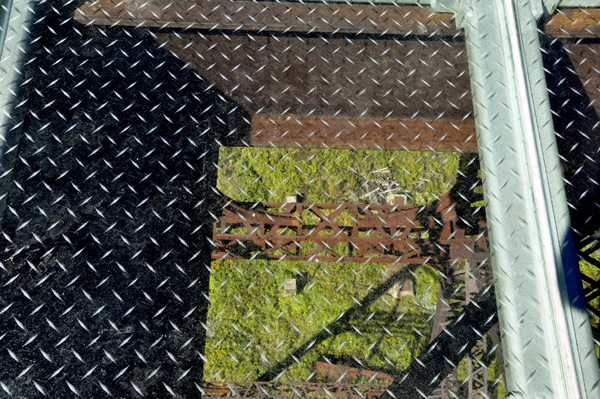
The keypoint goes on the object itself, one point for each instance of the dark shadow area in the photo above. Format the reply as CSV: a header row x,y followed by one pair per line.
x,y
440,356
572,85
467,192
577,124
387,319
104,251
341,325
110,201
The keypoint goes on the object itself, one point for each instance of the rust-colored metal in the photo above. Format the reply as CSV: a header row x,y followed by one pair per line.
x,y
306,17
375,95
364,78
575,23
322,93
336,93
585,60
254,389
300,131
337,372
345,233
270,16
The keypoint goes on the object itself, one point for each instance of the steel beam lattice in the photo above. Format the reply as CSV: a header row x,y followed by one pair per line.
x,y
370,233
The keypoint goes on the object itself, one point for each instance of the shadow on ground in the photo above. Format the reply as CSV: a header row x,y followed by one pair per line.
x,y
107,192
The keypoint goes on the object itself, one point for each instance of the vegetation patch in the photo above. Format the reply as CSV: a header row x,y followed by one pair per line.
x,y
254,323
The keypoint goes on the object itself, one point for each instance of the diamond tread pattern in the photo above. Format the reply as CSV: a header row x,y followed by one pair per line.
x,y
104,266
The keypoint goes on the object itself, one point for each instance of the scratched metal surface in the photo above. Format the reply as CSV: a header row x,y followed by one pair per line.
x,y
110,182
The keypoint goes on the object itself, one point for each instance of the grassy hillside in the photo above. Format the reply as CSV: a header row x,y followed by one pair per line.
x,y
252,325
271,174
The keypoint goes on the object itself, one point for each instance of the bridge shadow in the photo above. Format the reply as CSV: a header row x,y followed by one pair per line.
x,y
572,76
108,190
575,115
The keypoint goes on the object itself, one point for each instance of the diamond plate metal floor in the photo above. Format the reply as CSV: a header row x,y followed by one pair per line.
x,y
107,189
104,261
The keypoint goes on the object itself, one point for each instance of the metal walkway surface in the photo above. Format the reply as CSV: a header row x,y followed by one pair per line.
x,y
179,181
104,269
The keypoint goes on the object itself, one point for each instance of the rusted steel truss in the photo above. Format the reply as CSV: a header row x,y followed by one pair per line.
x,y
392,19
358,233
275,390
346,233
472,277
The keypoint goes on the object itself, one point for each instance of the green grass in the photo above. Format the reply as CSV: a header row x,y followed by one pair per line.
x,y
271,174
252,325
592,271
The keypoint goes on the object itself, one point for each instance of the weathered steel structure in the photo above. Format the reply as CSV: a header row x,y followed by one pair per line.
x,y
347,233
402,234
470,279
292,390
